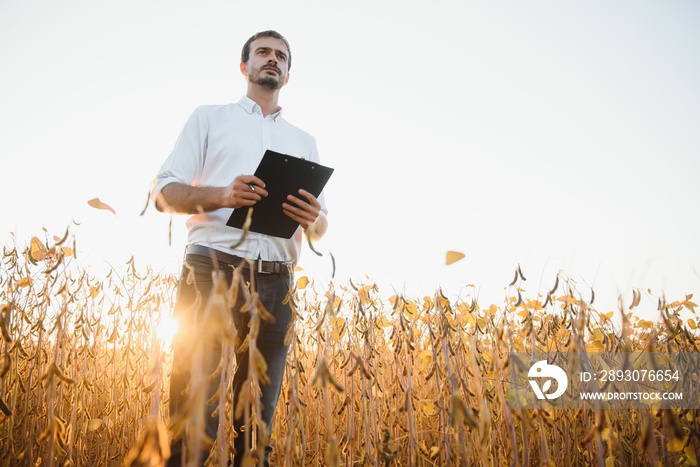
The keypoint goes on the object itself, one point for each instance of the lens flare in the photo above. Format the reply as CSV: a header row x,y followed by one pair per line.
x,y
166,330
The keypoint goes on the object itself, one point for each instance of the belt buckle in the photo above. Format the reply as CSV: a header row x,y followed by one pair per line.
x,y
260,269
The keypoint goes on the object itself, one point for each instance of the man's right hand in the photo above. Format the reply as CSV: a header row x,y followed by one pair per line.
x,y
245,190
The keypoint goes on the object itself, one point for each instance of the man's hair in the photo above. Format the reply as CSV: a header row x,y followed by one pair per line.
x,y
245,53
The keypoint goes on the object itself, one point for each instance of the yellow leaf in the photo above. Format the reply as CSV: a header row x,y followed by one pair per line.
x,y
465,317
567,299
410,309
383,322
434,451
338,328
676,444
425,358
97,204
37,249
24,282
610,461
598,334
453,257
302,282
692,324
430,409
363,293
689,452
94,424
492,310
94,291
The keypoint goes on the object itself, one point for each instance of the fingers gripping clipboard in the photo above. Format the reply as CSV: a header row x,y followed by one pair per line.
x,y
283,175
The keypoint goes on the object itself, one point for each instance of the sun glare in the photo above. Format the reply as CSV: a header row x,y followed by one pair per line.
x,y
166,329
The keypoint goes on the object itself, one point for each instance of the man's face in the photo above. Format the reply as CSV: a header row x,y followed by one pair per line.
x,y
268,65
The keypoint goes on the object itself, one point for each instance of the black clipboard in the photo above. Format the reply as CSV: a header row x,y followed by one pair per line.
x,y
283,175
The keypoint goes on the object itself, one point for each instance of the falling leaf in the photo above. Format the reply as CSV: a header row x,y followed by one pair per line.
x,y
302,282
37,249
97,204
453,257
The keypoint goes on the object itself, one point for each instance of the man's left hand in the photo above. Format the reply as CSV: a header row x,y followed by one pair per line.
x,y
304,211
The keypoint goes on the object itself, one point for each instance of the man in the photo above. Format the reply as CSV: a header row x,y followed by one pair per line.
x,y
207,174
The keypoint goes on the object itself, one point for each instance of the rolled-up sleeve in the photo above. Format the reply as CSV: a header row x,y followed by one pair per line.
x,y
184,165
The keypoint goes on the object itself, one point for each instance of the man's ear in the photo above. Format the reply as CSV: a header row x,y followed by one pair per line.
x,y
244,68
286,80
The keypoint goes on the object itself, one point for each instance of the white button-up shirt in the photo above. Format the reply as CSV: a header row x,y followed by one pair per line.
x,y
219,143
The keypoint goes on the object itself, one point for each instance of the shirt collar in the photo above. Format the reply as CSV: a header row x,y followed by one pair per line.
x,y
251,107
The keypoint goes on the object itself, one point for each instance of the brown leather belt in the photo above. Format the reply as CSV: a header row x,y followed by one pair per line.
x,y
258,265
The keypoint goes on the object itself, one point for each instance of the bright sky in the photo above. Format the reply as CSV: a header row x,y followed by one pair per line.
x,y
559,135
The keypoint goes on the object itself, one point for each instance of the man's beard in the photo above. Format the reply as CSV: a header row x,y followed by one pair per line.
x,y
266,81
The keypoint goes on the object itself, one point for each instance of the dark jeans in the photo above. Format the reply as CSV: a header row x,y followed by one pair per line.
x,y
272,289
